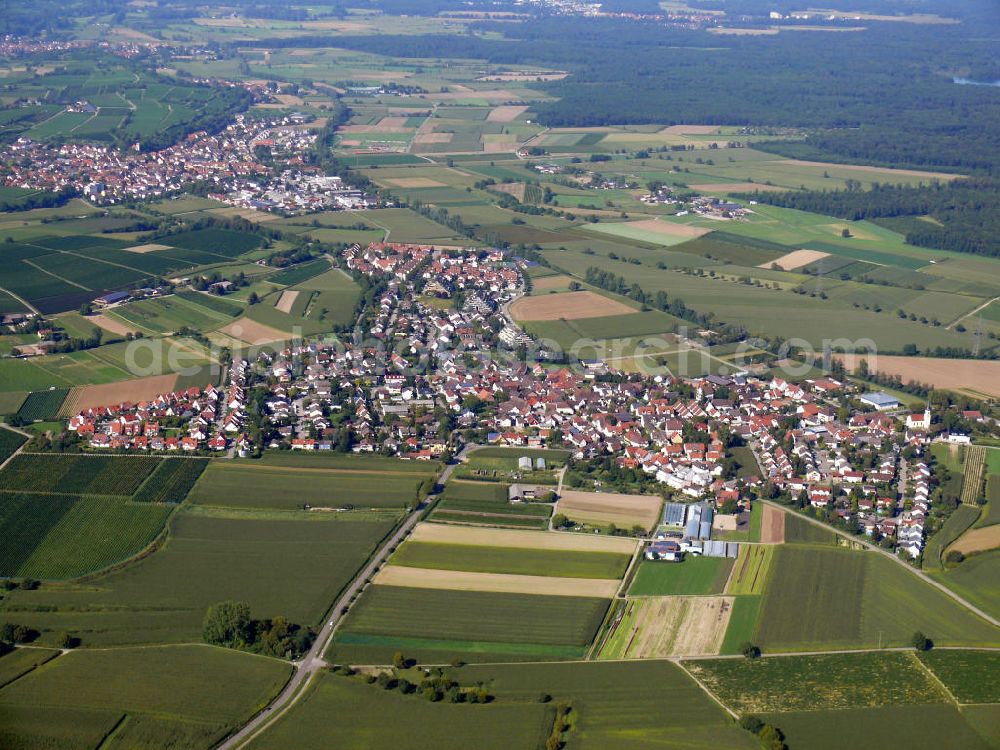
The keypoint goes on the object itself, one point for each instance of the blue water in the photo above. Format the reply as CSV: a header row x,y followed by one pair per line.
x,y
970,82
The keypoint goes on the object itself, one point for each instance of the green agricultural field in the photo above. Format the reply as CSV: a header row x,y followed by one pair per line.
x,y
977,579
825,598
799,530
171,481
185,696
620,705
63,536
361,462
887,726
10,401
750,574
960,521
10,441
511,560
168,314
833,681
438,625
970,676
251,485
20,661
207,559
742,624
42,405
223,242
67,474
696,575
346,713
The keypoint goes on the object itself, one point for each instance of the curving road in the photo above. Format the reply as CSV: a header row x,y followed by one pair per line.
x,y
313,661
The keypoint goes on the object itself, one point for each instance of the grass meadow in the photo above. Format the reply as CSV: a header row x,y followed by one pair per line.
x,y
511,560
696,575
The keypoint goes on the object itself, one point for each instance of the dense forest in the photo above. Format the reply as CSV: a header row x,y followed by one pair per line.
x,y
966,212
886,97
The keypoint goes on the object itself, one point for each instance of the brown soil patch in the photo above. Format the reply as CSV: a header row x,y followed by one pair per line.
x,y
253,332
112,324
679,626
512,188
568,306
249,214
286,300
458,580
111,394
978,375
795,259
550,282
607,507
978,540
874,170
559,540
499,147
737,187
670,229
772,528
415,182
148,248
433,138
507,113
467,93
691,129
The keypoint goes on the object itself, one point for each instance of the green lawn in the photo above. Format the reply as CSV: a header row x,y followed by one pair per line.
x,y
181,696
696,575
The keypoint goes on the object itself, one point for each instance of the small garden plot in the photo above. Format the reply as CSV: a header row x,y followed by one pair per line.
x,y
605,508
696,575
970,676
660,627
512,560
77,474
830,681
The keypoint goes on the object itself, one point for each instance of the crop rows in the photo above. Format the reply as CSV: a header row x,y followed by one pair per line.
x,y
42,405
975,461
25,520
171,481
77,474
10,441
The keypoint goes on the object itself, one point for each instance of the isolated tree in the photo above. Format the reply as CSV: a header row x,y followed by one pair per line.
x,y
228,624
749,650
920,641
398,661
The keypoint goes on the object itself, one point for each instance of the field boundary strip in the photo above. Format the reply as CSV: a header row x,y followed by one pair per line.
x,y
935,678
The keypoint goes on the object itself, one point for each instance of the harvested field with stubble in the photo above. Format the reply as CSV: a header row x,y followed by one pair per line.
x,y
795,259
110,324
286,300
150,247
460,580
772,528
658,627
977,540
506,113
253,332
558,281
737,187
669,229
602,508
982,376
567,306
415,182
111,394
435,532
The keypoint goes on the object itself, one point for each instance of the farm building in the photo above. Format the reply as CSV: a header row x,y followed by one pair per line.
x,y
517,493
667,551
673,514
880,401
111,298
698,521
